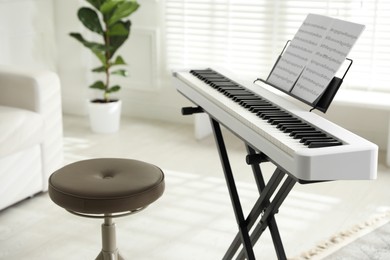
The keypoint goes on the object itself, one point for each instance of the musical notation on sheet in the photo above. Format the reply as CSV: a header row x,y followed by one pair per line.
x,y
314,56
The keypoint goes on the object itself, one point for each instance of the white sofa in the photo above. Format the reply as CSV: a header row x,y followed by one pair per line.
x,y
30,132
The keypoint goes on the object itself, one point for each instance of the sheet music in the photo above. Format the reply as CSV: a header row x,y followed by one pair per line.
x,y
296,56
314,56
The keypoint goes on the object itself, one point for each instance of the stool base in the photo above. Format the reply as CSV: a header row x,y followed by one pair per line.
x,y
109,256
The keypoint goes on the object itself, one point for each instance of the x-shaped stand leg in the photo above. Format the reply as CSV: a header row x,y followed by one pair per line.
x,y
263,210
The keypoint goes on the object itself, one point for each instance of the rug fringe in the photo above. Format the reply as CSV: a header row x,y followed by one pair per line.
x,y
344,237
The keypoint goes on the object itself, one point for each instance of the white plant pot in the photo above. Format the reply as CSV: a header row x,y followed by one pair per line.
x,y
105,117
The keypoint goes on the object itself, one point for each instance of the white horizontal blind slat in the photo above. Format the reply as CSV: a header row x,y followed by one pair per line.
x,y
247,35
215,33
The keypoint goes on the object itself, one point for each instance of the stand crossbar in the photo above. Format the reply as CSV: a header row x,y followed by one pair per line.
x,y
263,211
261,188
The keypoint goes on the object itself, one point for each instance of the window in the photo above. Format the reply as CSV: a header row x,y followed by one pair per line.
x,y
246,36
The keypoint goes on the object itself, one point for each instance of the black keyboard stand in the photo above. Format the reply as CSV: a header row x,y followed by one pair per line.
x,y
262,215
262,212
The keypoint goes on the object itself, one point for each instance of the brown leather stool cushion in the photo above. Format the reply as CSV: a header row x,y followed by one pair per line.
x,y
106,185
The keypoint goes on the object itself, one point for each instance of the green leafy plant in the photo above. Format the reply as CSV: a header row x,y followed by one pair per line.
x,y
107,19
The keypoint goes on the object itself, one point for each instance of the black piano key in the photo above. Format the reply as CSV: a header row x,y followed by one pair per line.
x,y
289,123
230,94
223,89
306,134
247,104
276,120
316,138
267,114
325,139
207,75
217,80
280,112
238,99
221,82
263,104
259,109
297,123
259,106
263,108
225,85
252,103
259,102
237,92
268,111
303,129
246,96
210,77
270,119
324,144
240,92
272,113
203,72
208,80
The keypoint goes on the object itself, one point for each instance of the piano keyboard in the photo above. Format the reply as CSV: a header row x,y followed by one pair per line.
x,y
282,120
302,143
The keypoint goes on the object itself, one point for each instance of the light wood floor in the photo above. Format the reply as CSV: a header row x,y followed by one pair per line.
x,y
193,219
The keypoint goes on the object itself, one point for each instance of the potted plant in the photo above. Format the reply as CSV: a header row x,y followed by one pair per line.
x,y
107,19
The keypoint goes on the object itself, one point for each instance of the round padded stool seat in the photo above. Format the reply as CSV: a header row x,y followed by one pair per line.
x,y
106,185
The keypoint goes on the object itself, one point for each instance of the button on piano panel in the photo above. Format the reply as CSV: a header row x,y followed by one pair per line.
x,y
283,121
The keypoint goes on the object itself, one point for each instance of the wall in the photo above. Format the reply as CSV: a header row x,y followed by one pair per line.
x,y
27,34
370,123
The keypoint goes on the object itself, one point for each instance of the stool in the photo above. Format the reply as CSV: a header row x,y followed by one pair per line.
x,y
106,188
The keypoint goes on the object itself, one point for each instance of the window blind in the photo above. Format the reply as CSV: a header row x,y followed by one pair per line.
x,y
246,36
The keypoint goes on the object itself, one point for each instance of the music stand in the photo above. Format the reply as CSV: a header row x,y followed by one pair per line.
x,y
323,102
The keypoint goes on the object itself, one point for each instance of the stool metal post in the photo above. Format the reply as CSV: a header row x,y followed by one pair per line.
x,y
109,247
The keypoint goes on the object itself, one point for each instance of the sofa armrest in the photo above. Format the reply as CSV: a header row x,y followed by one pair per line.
x,y
38,91
27,89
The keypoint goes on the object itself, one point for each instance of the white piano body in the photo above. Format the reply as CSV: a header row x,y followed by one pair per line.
x,y
356,159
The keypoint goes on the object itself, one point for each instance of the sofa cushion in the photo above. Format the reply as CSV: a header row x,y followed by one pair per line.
x,y
19,129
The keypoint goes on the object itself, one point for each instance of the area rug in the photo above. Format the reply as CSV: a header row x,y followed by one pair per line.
x,y
368,240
